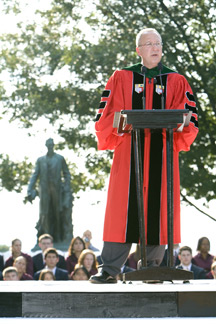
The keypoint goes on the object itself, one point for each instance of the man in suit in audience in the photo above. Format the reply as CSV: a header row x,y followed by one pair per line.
x,y
176,260
45,241
185,257
1,263
1,266
51,259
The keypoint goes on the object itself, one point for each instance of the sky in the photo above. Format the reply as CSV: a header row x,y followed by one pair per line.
x,y
19,220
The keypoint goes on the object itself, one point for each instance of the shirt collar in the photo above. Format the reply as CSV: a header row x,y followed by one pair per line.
x,y
187,267
53,270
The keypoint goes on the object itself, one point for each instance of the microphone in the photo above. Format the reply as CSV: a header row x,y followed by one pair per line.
x,y
160,66
143,71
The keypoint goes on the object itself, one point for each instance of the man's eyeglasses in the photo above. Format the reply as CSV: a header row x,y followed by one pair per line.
x,y
149,44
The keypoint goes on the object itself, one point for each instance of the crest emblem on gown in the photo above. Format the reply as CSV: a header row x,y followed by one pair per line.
x,y
139,88
159,89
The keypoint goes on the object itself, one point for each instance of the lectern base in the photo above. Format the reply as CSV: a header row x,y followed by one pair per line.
x,y
158,274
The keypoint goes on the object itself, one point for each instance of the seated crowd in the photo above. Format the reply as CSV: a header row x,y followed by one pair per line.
x,y
82,260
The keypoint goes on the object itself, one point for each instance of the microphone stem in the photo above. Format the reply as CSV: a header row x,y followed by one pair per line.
x,y
143,71
144,99
162,95
162,102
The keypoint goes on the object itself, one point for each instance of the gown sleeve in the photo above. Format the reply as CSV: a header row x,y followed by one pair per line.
x,y
112,101
184,99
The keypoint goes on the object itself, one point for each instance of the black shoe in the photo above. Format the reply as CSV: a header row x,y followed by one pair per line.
x,y
103,278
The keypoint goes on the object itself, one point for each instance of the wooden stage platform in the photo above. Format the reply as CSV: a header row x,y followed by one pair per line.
x,y
81,299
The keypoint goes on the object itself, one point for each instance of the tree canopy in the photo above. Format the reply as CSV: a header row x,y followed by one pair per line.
x,y
59,61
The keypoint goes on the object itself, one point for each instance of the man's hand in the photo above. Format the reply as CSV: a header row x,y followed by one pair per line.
x,y
31,196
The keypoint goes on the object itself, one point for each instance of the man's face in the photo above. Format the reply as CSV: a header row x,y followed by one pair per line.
x,y
148,50
88,235
185,257
51,260
45,244
50,146
11,276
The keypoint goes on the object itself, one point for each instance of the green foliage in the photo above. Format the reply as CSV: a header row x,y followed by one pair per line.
x,y
14,175
4,248
60,61
188,32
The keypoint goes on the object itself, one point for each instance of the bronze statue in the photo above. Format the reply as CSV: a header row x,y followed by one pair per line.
x,y
55,195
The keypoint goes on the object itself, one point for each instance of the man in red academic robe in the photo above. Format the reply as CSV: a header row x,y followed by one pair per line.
x,y
124,90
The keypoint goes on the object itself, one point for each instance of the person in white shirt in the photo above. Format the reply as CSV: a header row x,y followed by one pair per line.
x,y
176,260
185,257
87,237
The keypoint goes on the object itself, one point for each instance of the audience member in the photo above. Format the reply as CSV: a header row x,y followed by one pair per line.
x,y
87,236
80,273
51,259
126,269
16,251
46,274
176,260
203,259
185,257
154,259
88,259
77,245
1,266
45,241
82,261
212,273
20,265
1,263
133,258
10,273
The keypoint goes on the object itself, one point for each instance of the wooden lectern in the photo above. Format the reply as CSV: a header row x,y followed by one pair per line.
x,y
135,120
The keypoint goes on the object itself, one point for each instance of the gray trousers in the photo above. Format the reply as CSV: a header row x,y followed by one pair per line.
x,y
114,256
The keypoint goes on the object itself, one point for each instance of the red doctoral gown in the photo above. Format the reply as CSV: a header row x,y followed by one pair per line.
x,y
124,90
